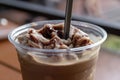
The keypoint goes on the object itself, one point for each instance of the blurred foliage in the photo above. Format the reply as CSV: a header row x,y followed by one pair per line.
x,y
112,43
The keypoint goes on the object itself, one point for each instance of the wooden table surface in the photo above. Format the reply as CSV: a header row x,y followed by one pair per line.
x,y
108,67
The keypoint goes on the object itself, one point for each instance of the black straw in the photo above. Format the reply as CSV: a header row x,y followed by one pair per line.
x,y
67,22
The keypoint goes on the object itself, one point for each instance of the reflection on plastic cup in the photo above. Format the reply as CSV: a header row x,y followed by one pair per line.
x,y
51,64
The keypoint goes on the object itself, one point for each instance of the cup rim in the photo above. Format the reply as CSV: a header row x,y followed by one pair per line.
x,y
58,50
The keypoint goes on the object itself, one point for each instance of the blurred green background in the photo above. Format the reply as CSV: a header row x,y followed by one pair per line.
x,y
112,43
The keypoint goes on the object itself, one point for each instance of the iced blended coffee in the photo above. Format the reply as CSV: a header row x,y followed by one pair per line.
x,y
44,54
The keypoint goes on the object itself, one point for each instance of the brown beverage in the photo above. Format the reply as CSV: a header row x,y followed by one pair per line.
x,y
56,61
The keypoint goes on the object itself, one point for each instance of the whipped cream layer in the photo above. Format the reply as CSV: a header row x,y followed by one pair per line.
x,y
51,36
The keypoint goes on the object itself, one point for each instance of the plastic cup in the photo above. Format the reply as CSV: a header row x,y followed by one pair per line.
x,y
59,64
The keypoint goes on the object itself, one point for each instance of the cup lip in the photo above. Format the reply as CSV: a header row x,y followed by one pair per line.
x,y
58,50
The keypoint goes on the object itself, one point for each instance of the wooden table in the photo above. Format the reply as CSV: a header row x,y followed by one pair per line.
x,y
108,67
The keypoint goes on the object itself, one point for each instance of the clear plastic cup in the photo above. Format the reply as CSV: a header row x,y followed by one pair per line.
x,y
59,64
